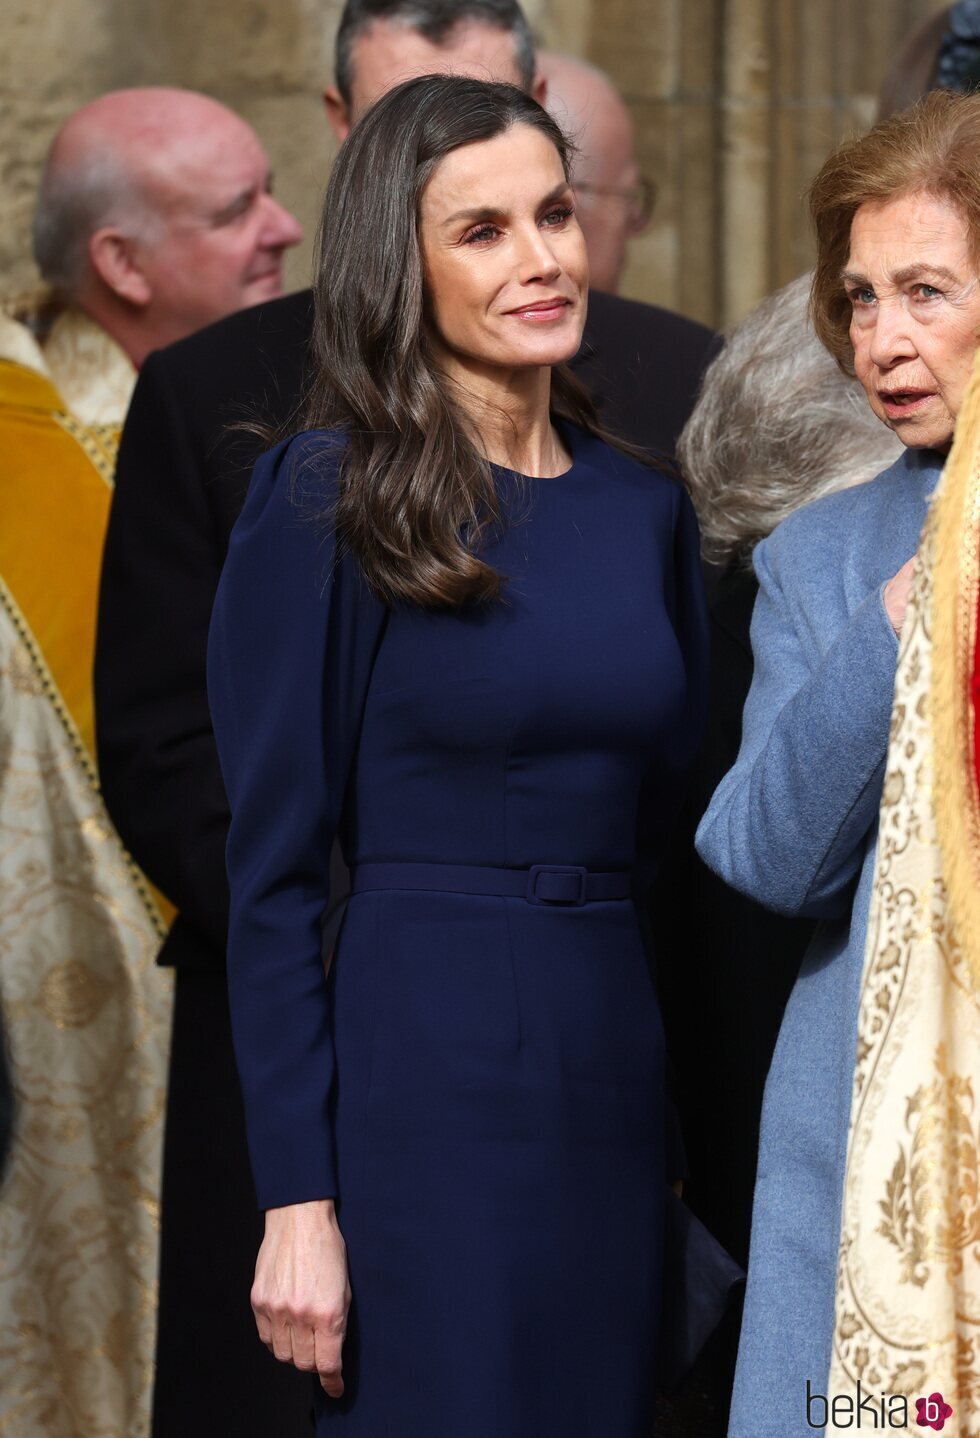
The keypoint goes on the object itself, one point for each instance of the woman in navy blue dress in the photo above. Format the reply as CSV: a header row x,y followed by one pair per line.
x,y
464,632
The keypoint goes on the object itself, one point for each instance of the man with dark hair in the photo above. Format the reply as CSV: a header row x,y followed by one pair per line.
x,y
365,25
181,480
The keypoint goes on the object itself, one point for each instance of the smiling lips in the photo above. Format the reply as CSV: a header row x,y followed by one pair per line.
x,y
542,309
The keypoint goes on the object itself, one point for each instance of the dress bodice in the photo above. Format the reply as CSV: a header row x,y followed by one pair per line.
x,y
523,731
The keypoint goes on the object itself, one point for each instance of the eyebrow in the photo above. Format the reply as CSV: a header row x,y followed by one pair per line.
x,y
261,186
488,212
903,276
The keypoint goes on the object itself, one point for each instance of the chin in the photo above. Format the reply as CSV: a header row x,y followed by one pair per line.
x,y
550,350
554,357
267,288
920,438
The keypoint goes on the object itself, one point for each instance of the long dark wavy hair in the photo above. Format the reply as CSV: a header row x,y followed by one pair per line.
x,y
415,494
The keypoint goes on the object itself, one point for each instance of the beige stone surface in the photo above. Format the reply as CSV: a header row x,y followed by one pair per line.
x,y
736,103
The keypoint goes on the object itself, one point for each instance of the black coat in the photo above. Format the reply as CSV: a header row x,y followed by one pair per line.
x,y
730,965
181,480
734,962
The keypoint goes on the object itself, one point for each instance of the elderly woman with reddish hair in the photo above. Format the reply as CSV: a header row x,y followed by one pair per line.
x,y
896,300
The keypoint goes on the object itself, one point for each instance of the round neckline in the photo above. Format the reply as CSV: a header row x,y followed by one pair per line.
x,y
568,435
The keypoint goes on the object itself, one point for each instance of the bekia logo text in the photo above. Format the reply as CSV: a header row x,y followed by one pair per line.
x,y
868,1410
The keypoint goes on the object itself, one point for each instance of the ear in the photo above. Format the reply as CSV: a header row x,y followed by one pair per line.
x,y
539,88
114,257
338,115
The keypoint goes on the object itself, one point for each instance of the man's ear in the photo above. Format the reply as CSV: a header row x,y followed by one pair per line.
x,y
539,88
338,115
115,259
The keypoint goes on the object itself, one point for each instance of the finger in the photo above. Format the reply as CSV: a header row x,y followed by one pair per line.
x,y
327,1347
282,1340
264,1325
304,1354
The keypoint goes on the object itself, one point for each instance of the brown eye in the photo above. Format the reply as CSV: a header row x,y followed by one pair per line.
x,y
480,235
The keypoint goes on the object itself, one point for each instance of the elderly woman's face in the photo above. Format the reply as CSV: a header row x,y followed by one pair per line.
x,y
915,314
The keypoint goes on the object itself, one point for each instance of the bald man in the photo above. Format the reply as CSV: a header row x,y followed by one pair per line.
x,y
612,198
155,217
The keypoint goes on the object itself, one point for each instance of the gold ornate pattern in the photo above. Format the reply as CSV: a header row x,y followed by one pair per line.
x,y
86,1007
88,1013
943,1143
957,582
99,441
28,667
94,377
908,1289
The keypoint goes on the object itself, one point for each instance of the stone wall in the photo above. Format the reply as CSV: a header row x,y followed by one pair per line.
x,y
736,103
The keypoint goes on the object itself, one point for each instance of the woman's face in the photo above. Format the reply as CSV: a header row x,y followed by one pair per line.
x,y
506,273
915,314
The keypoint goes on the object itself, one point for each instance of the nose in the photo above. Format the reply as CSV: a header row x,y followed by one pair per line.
x,y
281,230
891,340
537,259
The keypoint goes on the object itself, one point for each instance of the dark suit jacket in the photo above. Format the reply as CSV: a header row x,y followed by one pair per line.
x,y
733,962
181,480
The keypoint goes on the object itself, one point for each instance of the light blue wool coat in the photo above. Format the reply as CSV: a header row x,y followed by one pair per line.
x,y
794,825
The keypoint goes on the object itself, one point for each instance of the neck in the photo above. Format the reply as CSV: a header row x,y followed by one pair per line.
x,y
509,411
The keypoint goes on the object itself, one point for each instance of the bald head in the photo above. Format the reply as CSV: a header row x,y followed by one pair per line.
x,y
155,202
591,111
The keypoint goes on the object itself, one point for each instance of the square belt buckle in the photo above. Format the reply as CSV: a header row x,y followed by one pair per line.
x,y
550,884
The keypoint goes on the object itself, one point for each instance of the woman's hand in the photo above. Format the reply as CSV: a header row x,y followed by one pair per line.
x,y
300,1295
896,594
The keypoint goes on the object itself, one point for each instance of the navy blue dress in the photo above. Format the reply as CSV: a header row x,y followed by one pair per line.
x,y
479,1081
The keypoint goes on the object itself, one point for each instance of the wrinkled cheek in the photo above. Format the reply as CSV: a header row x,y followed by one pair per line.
x,y
951,393
865,374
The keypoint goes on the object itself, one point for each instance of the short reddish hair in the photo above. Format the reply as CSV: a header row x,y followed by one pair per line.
x,y
933,148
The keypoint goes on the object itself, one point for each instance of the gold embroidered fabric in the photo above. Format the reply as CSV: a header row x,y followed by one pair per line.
x,y
19,345
86,1008
87,1012
908,1293
91,373
93,376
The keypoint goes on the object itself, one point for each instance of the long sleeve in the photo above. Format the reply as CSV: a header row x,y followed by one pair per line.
x,y
685,601
157,760
686,606
690,616
787,824
293,638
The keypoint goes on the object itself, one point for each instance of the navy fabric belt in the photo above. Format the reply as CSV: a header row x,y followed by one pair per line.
x,y
563,884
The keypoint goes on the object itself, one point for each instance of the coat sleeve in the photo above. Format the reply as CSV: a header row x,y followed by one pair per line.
x,y
157,760
292,642
788,823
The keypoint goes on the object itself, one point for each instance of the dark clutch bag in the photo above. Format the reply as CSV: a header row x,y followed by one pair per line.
x,y
700,1281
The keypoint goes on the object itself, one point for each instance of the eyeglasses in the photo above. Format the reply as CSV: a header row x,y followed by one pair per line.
x,y
640,198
